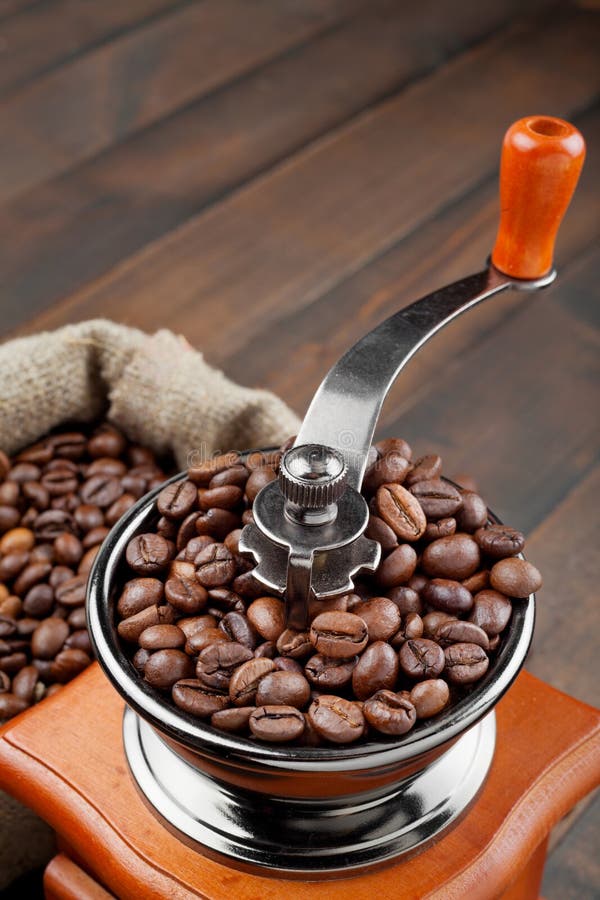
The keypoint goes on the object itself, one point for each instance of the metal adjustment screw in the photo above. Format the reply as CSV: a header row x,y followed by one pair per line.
x,y
312,479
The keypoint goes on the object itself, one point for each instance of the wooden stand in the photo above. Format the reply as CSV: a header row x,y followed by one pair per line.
x,y
65,759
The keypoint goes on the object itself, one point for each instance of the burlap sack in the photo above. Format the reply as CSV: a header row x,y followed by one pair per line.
x,y
162,394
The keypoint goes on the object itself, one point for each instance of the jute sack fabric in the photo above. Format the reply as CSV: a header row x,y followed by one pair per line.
x,y
162,394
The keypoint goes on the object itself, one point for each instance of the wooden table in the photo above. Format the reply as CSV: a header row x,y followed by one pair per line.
x,y
273,177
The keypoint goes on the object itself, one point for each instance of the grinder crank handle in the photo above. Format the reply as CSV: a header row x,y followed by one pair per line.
x,y
541,161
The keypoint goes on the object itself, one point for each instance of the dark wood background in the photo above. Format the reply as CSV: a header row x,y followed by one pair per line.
x,y
271,178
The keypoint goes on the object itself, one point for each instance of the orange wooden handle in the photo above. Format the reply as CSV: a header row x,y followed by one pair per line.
x,y
541,161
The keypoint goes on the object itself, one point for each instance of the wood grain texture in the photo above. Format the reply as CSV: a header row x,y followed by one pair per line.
x,y
68,231
351,196
91,801
83,107
50,33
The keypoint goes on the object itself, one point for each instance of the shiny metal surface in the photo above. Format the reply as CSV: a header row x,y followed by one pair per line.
x,y
308,838
342,417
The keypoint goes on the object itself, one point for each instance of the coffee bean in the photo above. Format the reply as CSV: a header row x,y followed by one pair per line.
x,y
276,724
411,628
22,472
465,663
139,594
12,564
421,658
165,667
17,540
401,511
119,508
203,473
389,713
59,481
245,680
80,640
433,620
294,644
185,593
38,600
31,575
393,445
380,531
215,566
24,683
148,553
398,567
439,529
5,682
106,441
429,697
377,669
10,706
177,500
52,523
101,490
259,478
425,469
68,664
227,496
338,634
204,637
389,468
217,663
48,638
454,557
68,549
267,614
459,632
12,662
500,541
7,627
515,578
448,596
328,673
382,618
285,663
237,475
131,628
406,599
162,637
491,612
473,513
283,689
477,582
438,499
239,628
234,720
71,593
216,522
336,719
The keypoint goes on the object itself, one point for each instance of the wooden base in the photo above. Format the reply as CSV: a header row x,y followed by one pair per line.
x,y
65,759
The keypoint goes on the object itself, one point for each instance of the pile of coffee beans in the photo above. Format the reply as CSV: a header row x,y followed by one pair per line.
x,y
413,638
58,500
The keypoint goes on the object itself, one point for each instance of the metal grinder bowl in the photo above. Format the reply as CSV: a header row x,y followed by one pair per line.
x,y
304,812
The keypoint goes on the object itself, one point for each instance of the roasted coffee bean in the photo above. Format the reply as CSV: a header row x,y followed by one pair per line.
x,y
390,713
71,593
119,508
216,522
429,697
421,658
68,549
80,640
106,441
438,499
433,620
226,600
331,604
162,637
389,468
473,513
500,541
38,600
286,663
329,674
68,445
477,582
401,511
237,475
148,553
515,578
336,719
202,473
245,680
441,528
36,494
380,531
10,706
59,481
393,445
12,564
465,663
377,669
185,593
217,663
49,637
382,618
276,724
131,628
459,632
227,496
491,612
9,493
234,720
187,530
448,596
196,698
140,658
52,523
247,585
101,490
177,500
215,566
68,664
425,469
106,465
411,628
43,553
5,682
195,545
283,689
17,540
9,517
24,471
454,557
238,627
259,478
30,575
88,516
77,618
398,567
204,637
12,662
338,634
138,594
406,599
267,615
294,644
7,627
11,606
165,667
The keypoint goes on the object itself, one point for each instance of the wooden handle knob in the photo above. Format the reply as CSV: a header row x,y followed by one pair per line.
x,y
541,161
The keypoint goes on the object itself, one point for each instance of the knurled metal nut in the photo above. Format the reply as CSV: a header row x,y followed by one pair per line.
x,y
313,495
